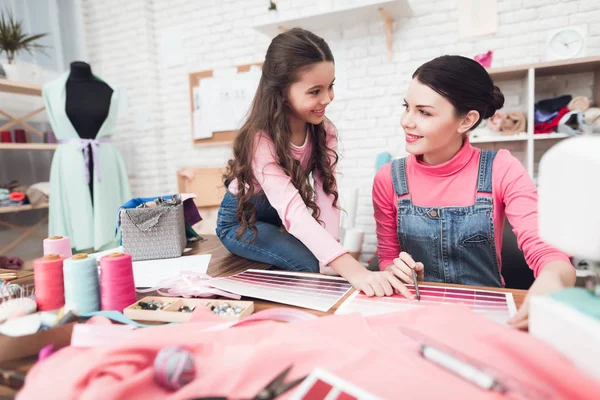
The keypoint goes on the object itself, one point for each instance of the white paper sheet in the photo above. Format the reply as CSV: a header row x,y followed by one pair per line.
x,y
149,273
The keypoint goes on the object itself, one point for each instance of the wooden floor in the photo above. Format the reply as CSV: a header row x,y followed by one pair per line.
x,y
222,263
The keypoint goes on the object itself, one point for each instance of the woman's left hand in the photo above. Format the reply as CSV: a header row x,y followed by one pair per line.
x,y
545,283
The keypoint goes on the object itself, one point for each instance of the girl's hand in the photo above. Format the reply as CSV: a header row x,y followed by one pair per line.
x,y
403,266
381,283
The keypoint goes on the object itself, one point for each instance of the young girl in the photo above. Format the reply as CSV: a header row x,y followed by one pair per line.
x,y
444,205
270,212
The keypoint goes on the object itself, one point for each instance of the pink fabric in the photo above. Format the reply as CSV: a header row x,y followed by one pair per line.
x,y
454,183
322,241
374,353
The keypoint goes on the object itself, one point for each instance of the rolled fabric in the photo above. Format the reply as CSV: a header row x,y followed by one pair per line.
x,y
495,122
514,122
580,103
592,116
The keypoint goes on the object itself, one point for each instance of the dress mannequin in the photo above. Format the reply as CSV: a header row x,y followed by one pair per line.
x,y
87,106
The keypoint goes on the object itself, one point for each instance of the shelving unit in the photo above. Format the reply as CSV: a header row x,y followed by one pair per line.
x,y
528,73
30,89
388,11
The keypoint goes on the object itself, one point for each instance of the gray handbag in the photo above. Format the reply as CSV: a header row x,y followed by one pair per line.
x,y
154,233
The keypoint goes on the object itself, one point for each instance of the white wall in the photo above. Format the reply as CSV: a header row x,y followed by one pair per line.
x,y
123,46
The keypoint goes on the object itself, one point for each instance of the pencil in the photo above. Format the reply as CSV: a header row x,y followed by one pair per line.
x,y
414,276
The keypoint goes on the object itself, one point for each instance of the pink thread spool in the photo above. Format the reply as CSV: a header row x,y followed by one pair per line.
x,y
60,245
49,282
117,288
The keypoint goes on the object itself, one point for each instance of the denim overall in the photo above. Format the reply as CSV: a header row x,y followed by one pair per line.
x,y
456,244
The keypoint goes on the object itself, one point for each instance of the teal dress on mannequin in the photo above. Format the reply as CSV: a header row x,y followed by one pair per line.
x,y
71,211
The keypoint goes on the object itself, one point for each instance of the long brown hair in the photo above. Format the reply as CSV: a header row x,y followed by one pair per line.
x,y
288,54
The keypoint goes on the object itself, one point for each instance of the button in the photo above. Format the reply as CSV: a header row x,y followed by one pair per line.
x,y
433,213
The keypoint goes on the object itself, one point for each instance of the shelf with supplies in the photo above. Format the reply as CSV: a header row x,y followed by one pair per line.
x,y
26,207
523,78
517,137
28,146
549,68
328,16
19,89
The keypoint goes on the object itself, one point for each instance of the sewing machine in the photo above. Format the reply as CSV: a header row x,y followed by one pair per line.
x,y
569,219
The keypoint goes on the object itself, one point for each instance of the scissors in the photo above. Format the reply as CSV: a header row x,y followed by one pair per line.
x,y
274,389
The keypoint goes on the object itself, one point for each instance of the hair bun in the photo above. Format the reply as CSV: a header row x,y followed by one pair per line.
x,y
497,98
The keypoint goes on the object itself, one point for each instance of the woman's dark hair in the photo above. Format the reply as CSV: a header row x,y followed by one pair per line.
x,y
288,54
464,83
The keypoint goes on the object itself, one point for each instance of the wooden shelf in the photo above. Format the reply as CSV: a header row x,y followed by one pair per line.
x,y
518,137
28,207
499,138
546,136
387,10
33,89
28,146
573,66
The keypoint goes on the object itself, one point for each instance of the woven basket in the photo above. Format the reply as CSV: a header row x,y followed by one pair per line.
x,y
166,239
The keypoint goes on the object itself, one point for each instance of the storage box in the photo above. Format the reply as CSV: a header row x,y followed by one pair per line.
x,y
169,311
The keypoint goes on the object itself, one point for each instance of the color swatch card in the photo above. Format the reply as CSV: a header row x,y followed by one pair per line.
x,y
317,292
323,385
498,306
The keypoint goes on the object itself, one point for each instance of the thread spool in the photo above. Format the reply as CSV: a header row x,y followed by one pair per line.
x,y
20,136
174,367
117,288
82,287
60,245
50,137
49,283
6,137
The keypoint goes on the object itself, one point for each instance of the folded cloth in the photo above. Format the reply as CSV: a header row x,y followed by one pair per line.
x,y
36,197
592,116
550,126
572,123
514,122
10,185
43,187
549,106
541,116
495,122
580,103
240,361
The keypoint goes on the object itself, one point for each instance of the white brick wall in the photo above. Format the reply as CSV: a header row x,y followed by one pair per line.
x,y
123,42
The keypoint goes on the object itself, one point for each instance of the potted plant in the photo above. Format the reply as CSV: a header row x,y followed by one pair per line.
x,y
12,41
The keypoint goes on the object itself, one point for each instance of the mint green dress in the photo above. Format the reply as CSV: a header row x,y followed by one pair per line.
x,y
71,212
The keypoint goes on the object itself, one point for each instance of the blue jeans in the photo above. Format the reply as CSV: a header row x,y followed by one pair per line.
x,y
272,245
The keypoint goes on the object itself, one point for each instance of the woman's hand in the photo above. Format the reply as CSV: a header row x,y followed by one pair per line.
x,y
403,266
554,276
